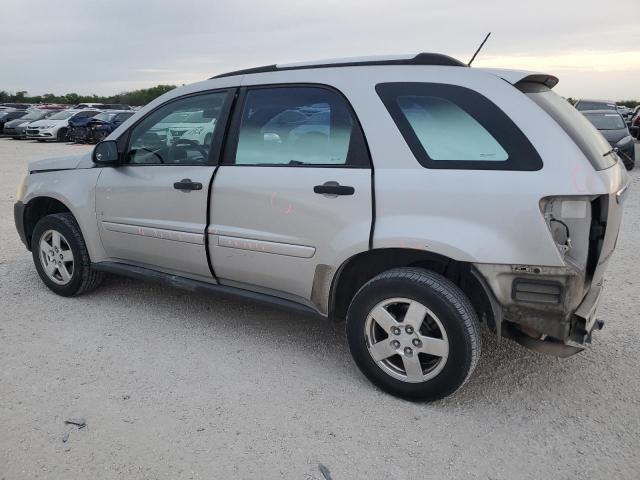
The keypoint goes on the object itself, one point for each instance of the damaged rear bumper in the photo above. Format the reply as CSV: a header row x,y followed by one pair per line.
x,y
548,309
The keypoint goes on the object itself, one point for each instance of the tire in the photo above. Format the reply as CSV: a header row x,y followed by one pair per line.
x,y
61,135
447,324
75,276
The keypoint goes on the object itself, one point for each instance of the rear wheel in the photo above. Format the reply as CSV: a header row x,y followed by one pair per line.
x,y
414,334
61,257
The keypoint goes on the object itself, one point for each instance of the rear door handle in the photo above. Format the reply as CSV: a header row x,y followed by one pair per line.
x,y
186,185
334,188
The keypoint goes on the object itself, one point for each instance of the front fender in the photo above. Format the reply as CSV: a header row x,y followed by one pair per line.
x,y
76,190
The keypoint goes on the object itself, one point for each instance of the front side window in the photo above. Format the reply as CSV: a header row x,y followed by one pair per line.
x,y
448,126
298,126
180,132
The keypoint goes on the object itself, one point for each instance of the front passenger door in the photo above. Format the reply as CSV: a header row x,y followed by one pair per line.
x,y
152,211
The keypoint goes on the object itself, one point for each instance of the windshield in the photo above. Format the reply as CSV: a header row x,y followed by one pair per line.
x,y
606,121
582,132
34,115
104,117
589,105
61,115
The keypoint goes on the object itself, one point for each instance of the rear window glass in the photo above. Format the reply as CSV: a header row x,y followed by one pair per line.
x,y
589,105
582,132
606,121
448,126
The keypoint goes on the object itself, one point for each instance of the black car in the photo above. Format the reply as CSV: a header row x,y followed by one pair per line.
x,y
8,116
612,126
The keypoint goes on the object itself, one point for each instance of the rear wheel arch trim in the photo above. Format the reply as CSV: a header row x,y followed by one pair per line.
x,y
420,256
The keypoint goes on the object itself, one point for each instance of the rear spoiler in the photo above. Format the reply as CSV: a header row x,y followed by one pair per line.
x,y
544,79
514,77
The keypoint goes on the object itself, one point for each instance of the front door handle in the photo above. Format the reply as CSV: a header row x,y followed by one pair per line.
x,y
334,188
186,185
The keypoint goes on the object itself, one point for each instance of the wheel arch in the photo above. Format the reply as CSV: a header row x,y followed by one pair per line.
x,y
37,208
362,267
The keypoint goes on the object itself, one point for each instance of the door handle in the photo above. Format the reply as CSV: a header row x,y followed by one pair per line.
x,y
186,185
334,188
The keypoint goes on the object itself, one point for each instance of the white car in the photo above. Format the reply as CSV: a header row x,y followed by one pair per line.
x,y
56,127
414,197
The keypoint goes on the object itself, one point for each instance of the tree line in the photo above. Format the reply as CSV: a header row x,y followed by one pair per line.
x,y
135,97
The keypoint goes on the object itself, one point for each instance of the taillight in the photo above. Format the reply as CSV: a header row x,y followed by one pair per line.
x,y
569,221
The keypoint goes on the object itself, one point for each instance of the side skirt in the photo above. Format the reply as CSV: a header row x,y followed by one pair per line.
x,y
196,286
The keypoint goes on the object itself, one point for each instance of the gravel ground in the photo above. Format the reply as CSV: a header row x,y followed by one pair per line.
x,y
174,385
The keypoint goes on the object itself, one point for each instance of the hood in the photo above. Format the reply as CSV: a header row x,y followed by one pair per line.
x,y
70,162
614,136
16,122
39,123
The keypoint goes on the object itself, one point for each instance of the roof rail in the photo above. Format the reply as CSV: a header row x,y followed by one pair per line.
x,y
419,59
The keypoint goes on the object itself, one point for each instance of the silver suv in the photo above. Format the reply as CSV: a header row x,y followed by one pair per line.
x,y
413,196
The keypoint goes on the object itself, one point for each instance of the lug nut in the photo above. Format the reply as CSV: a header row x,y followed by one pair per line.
x,y
60,256
395,344
395,330
416,342
408,351
409,329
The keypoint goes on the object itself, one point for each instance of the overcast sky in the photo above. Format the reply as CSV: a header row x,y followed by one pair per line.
x,y
107,46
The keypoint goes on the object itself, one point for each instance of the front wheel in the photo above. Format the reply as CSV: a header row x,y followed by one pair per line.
x,y
61,257
414,334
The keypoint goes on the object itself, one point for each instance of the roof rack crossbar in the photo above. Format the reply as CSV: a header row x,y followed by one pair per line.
x,y
420,59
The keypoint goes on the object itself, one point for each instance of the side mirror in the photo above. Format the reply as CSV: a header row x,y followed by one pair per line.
x,y
635,131
106,153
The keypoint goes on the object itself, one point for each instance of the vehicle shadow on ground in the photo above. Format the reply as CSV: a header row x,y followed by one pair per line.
x,y
505,368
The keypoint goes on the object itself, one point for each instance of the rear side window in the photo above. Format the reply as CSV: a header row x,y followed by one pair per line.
x,y
298,126
448,126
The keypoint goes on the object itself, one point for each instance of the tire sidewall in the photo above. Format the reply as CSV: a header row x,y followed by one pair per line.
x,y
459,360
50,222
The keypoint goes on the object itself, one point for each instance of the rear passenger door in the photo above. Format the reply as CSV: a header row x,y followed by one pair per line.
x,y
292,198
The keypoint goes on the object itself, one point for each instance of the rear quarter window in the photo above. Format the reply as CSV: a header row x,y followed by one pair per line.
x,y
453,127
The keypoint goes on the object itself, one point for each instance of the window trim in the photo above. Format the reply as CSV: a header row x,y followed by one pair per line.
x,y
215,153
231,144
522,155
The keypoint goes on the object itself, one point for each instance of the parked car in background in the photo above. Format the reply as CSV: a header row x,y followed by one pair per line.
x,y
635,119
55,127
413,261
584,104
100,126
18,106
17,129
77,128
612,126
103,106
10,115
623,110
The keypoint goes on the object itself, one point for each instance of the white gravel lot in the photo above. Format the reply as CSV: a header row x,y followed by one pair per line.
x,y
174,385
